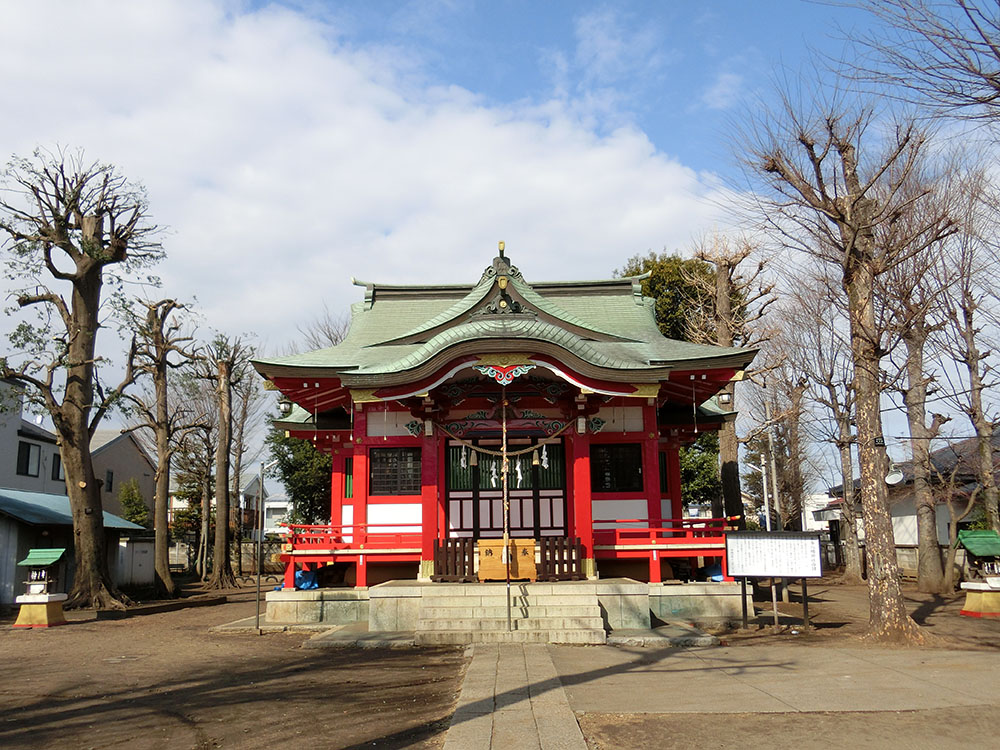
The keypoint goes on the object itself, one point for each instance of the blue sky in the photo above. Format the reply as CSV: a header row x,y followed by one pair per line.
x,y
289,147
673,70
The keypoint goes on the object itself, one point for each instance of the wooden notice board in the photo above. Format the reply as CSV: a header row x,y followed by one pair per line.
x,y
492,566
764,554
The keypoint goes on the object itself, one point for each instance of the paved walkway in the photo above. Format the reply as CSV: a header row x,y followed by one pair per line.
x,y
512,698
525,696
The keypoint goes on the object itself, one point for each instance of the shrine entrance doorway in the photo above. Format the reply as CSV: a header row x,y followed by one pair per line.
x,y
475,490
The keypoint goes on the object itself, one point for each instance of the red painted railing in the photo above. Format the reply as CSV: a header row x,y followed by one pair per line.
x,y
350,536
676,531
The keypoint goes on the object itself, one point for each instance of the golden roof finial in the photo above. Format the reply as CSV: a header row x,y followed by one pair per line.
x,y
501,246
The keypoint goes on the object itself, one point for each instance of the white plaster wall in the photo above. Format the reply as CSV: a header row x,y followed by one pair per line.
x,y
621,418
609,510
346,519
388,423
407,514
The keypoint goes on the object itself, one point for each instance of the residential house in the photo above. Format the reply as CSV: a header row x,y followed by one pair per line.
x,y
30,458
951,465
37,519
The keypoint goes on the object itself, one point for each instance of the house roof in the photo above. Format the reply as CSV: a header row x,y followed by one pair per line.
x,y
43,509
29,429
103,440
605,324
960,454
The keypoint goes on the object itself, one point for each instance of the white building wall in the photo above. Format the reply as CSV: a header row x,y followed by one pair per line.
x,y
408,515
610,510
10,581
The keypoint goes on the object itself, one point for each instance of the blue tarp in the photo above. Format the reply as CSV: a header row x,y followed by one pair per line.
x,y
306,579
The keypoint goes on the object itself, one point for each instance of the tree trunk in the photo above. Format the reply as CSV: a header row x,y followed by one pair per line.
x,y
848,513
729,469
796,487
222,569
729,448
165,585
983,426
92,584
161,541
239,447
206,519
930,575
888,619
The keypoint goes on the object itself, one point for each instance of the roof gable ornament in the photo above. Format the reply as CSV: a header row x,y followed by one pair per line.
x,y
503,273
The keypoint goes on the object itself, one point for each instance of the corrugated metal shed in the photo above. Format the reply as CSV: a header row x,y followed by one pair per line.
x,y
40,509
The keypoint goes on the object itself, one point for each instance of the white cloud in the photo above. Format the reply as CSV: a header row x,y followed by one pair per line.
x,y
285,160
724,91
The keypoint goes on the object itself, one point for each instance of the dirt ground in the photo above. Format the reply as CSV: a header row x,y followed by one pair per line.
x,y
839,615
164,681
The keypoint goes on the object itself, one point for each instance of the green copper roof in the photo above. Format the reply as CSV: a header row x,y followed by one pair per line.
x,y
980,542
605,324
42,557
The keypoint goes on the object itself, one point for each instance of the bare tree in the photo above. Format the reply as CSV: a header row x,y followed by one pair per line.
x,y
741,295
196,456
911,295
84,225
970,270
228,362
815,325
828,191
160,339
325,330
249,405
946,53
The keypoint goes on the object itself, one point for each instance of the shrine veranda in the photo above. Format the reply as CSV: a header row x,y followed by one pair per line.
x,y
434,387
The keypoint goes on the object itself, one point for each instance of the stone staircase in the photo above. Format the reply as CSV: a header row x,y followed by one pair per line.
x,y
540,613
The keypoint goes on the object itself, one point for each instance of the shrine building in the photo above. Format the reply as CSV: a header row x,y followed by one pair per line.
x,y
571,383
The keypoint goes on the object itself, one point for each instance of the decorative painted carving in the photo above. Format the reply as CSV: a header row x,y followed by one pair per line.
x,y
503,375
415,427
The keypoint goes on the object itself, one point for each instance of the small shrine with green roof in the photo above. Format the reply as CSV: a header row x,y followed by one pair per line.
x,y
533,423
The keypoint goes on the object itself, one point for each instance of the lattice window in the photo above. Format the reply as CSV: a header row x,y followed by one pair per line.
x,y
616,467
394,471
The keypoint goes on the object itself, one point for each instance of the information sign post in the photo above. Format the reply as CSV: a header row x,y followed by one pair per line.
x,y
770,554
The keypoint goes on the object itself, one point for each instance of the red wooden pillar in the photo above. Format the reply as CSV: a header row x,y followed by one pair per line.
x,y
360,485
337,488
428,502
289,574
674,478
651,466
583,521
442,499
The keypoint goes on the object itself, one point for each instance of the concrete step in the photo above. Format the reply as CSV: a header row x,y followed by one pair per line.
x,y
465,637
528,623
535,610
500,600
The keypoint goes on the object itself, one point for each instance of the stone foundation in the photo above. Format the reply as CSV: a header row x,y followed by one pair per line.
x,y
700,603
625,604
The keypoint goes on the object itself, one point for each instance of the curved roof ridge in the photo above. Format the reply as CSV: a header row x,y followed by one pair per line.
x,y
465,304
518,328
530,295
